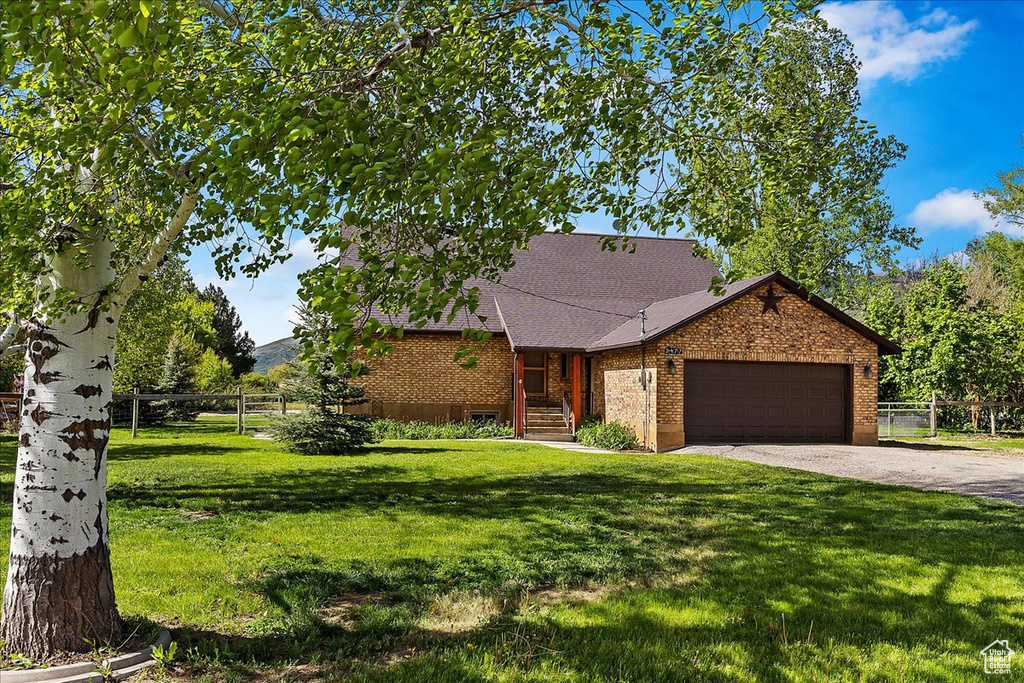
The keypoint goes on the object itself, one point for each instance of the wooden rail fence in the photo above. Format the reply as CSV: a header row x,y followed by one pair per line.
x,y
251,408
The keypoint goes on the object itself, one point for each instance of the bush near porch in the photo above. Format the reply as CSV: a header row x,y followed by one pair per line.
x,y
501,561
594,432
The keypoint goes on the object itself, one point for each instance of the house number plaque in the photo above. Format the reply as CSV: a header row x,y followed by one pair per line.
x,y
673,351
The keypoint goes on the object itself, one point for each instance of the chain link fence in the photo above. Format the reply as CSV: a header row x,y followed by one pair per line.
x,y
904,419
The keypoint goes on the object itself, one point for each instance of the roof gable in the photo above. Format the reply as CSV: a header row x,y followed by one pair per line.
x,y
669,315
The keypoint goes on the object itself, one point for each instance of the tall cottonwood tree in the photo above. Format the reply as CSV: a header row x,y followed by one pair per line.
x,y
830,225
429,138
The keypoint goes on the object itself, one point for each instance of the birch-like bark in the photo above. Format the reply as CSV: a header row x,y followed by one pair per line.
x,y
8,335
60,588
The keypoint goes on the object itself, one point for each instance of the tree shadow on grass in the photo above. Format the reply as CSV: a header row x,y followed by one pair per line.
x,y
148,450
798,576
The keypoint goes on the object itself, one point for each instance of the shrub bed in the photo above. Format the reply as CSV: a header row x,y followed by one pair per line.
x,y
609,435
383,429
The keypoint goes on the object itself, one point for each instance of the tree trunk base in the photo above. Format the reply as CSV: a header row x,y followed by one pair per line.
x,y
54,604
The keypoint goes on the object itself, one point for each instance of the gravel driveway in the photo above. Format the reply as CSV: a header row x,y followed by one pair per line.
x,y
972,472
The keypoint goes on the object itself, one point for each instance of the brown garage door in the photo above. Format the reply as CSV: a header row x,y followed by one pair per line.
x,y
765,402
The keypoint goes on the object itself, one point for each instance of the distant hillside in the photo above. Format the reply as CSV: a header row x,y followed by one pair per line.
x,y
273,354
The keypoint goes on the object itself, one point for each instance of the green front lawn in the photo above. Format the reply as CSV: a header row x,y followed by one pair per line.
x,y
497,561
984,444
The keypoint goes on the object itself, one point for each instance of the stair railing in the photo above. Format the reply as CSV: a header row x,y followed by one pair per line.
x,y
570,420
522,410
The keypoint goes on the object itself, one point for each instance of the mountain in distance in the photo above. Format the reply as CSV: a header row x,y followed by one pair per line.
x,y
275,353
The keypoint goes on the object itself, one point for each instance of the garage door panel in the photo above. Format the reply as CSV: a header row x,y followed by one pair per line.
x,y
773,402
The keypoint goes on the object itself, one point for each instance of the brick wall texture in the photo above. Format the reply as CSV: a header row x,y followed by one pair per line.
x,y
421,379
800,334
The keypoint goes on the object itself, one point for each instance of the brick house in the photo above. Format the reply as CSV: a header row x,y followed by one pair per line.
x,y
765,361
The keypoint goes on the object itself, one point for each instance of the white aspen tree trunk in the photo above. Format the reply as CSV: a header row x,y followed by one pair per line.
x,y
60,588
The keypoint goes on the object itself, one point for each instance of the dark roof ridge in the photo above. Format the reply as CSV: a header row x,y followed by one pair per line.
x,y
665,238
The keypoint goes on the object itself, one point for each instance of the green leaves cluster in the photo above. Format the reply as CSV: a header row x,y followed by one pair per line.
x,y
827,223
424,147
961,327
166,306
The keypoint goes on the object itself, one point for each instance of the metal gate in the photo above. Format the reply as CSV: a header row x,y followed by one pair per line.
x,y
904,419
259,411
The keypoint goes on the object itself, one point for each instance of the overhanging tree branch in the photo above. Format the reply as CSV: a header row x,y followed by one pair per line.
x,y
9,334
160,246
13,350
222,13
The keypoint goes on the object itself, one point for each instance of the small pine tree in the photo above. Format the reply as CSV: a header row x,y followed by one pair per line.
x,y
177,377
322,384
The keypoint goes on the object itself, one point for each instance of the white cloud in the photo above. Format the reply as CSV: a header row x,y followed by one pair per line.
x,y
890,45
203,279
954,209
304,251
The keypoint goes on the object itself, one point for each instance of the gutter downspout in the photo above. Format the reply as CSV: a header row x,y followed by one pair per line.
x,y
646,384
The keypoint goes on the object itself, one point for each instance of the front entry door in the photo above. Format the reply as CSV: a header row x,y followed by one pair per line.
x,y
535,373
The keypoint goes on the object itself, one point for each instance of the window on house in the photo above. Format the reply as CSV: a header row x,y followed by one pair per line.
x,y
535,373
565,366
483,416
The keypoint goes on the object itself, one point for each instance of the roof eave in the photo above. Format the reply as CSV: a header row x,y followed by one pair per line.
x,y
885,346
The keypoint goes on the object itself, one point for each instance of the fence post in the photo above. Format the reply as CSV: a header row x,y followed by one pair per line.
x,y
932,422
241,411
888,421
135,412
992,418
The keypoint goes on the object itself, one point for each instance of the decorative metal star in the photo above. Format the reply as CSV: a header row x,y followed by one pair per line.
x,y
771,300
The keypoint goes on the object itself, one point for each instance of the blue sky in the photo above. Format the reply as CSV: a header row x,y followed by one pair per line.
x,y
946,78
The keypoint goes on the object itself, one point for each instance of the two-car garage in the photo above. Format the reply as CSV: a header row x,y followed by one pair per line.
x,y
746,402
763,361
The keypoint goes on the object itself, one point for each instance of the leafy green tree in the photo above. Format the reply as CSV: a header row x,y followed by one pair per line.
x,y
213,373
10,367
430,139
1006,201
231,342
256,383
838,228
998,261
953,345
151,316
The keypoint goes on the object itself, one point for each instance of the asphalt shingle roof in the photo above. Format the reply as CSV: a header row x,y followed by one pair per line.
x,y
564,291
663,316
671,314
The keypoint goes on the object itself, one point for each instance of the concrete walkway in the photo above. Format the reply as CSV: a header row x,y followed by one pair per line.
x,y
932,467
570,446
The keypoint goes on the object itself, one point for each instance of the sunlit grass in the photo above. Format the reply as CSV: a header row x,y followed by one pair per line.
x,y
499,561
983,444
